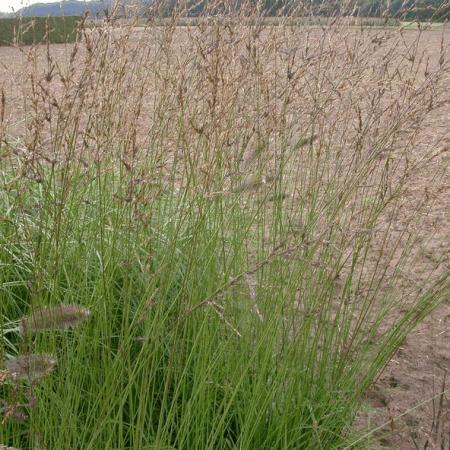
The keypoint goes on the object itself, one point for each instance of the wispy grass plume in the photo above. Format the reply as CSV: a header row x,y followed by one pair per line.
x,y
53,318
30,367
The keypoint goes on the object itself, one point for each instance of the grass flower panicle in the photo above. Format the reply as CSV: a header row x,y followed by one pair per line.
x,y
53,318
31,367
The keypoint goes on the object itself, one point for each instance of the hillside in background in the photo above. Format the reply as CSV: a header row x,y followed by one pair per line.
x,y
402,9
66,8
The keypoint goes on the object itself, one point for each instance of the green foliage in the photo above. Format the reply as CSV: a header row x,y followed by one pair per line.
x,y
35,30
185,379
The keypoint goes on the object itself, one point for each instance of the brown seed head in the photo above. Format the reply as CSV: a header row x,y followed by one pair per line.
x,y
30,367
53,318
4,376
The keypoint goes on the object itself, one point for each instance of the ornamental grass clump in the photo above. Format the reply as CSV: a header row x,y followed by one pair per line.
x,y
235,197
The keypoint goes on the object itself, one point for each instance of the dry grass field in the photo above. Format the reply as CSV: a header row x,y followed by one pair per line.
x,y
341,89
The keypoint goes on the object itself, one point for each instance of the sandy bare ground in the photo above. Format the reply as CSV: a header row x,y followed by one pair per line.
x,y
417,372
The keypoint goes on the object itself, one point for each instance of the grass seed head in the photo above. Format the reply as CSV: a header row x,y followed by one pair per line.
x,y
53,318
31,367
4,376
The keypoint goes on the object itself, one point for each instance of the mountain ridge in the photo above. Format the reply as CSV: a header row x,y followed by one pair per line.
x,y
65,8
